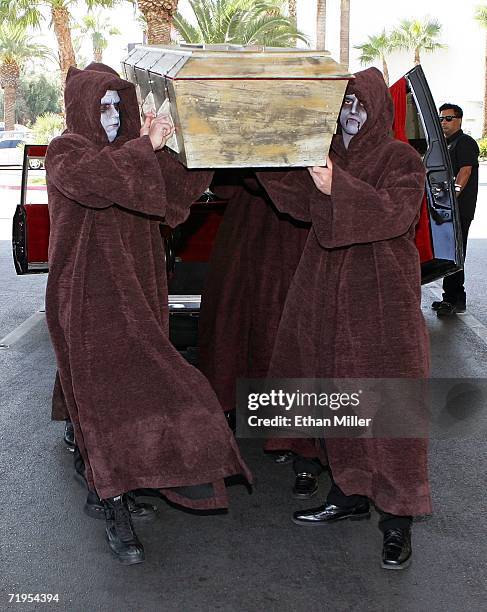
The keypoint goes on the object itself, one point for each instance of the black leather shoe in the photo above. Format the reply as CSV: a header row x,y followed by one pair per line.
x,y
446,309
329,513
397,551
69,435
436,304
305,486
121,537
139,511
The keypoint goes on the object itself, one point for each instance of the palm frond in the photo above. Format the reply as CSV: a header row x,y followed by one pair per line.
x,y
239,22
23,12
188,31
481,15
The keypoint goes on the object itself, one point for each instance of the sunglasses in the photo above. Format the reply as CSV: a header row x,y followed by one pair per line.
x,y
448,118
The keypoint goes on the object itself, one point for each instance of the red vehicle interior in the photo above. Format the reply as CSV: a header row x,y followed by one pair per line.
x,y
423,234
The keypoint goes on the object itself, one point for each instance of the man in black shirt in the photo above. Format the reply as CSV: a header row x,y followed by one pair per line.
x,y
464,155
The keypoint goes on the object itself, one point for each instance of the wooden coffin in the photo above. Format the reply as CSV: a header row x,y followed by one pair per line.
x,y
247,107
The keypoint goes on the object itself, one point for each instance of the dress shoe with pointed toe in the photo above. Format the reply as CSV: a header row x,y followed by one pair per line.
x,y
139,511
397,550
305,485
329,513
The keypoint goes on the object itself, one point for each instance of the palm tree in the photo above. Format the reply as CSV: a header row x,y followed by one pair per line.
x,y
377,48
243,22
159,15
16,47
97,26
481,16
321,24
292,10
415,35
28,12
345,32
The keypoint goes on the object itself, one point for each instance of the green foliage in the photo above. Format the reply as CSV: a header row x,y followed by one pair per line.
x,y
36,96
239,22
417,35
29,12
376,48
46,127
97,27
17,45
481,15
483,148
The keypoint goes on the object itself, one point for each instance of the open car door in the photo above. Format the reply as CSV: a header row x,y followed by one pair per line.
x,y
30,231
438,235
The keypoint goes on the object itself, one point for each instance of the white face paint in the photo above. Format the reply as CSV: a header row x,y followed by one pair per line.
x,y
109,114
352,117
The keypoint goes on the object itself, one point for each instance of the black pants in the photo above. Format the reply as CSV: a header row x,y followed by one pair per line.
x,y
386,521
453,285
307,465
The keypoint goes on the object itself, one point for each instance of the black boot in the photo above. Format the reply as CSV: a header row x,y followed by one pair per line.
x,y
69,435
79,467
120,533
139,511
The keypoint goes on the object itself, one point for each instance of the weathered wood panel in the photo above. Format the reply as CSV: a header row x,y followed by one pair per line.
x,y
257,123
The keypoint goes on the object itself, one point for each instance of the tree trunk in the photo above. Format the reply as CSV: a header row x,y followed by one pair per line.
x,y
293,16
158,15
158,32
62,30
385,71
484,127
321,24
98,55
417,59
9,97
345,33
292,10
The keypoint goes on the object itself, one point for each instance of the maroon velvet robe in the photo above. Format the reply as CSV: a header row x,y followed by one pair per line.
x,y
143,417
252,263
353,307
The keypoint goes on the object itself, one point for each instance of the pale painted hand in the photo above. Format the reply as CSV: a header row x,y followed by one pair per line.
x,y
144,130
160,130
323,176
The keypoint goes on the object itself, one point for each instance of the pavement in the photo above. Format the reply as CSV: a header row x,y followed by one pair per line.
x,y
253,557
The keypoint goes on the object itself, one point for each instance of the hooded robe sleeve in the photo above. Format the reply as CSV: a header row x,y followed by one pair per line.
x,y
290,191
358,212
131,176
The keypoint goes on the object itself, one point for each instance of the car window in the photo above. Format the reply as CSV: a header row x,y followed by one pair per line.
x,y
9,144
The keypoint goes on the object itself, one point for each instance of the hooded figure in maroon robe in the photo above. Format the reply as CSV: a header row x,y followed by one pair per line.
x,y
353,307
143,417
252,263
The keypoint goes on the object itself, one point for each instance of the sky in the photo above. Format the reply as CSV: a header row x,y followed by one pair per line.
x,y
455,74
